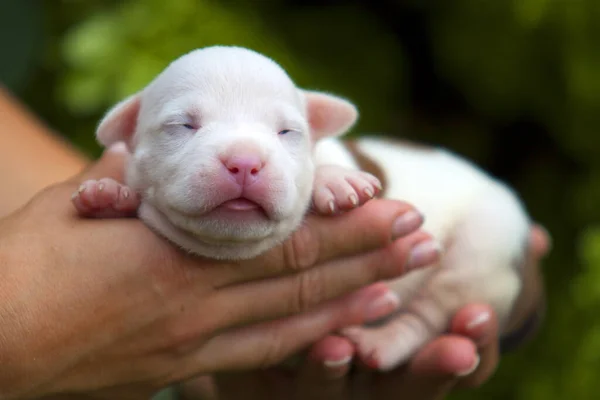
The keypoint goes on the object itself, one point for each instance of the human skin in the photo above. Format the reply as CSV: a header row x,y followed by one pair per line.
x,y
42,159
109,308
31,156
444,365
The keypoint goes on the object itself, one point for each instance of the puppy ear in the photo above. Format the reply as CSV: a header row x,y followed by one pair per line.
x,y
328,115
119,123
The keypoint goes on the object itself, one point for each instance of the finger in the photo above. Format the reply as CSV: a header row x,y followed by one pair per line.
x,y
478,322
453,358
446,357
269,343
321,239
293,294
540,242
431,373
331,358
324,373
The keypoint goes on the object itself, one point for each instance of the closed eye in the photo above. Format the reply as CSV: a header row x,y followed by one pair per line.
x,y
283,132
189,126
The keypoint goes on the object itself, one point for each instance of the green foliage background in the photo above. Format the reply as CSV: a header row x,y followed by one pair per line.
x,y
512,84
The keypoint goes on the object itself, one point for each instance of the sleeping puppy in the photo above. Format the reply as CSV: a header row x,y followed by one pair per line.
x,y
228,155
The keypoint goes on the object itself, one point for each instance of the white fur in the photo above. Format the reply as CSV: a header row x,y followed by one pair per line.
x,y
479,220
238,101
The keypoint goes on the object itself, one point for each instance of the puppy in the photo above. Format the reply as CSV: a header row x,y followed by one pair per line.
x,y
228,155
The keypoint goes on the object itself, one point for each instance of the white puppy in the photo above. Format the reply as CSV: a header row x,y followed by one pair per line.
x,y
227,154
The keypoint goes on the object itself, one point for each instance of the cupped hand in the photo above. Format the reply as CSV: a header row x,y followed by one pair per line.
x,y
108,309
465,357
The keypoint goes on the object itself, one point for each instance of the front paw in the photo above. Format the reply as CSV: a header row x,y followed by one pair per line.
x,y
105,198
341,189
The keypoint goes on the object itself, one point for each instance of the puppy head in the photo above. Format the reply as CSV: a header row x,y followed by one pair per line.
x,y
221,145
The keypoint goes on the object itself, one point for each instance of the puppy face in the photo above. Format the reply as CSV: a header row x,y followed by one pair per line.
x,y
221,147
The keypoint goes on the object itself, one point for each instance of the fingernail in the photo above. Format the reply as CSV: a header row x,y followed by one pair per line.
x,y
81,188
423,254
478,320
470,370
382,306
369,192
337,363
406,223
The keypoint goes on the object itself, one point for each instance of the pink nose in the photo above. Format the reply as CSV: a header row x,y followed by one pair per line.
x,y
244,168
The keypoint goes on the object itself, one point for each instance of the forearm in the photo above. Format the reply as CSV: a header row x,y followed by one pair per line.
x,y
31,156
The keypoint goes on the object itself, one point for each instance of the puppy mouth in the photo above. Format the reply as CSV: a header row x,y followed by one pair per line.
x,y
236,207
240,204
208,236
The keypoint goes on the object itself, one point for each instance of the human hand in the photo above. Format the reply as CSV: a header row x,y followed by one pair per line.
x,y
431,374
108,309
465,357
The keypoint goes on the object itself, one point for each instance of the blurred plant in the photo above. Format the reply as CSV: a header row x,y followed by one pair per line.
x,y
20,20
531,60
530,57
116,51
539,59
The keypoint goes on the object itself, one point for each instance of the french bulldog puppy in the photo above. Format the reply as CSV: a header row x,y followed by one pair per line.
x,y
228,155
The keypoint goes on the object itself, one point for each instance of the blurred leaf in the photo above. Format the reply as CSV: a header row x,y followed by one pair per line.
x,y
21,39
530,13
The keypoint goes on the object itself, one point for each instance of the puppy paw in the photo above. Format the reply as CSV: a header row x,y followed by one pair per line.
x,y
105,198
370,346
383,347
339,189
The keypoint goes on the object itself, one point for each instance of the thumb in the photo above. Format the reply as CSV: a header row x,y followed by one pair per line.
x,y
110,165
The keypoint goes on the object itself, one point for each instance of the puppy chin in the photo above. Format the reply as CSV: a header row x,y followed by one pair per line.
x,y
218,241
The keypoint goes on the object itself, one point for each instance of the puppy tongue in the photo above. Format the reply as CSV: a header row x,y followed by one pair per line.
x,y
240,204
